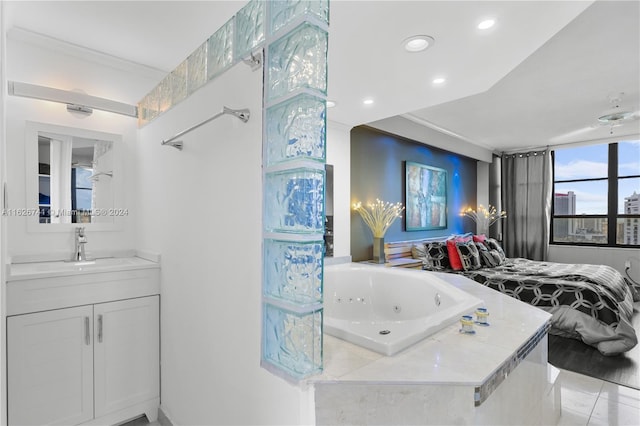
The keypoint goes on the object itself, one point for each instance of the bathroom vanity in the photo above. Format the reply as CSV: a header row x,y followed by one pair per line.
x,y
83,341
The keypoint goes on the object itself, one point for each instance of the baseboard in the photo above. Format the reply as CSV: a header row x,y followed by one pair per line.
x,y
147,408
163,419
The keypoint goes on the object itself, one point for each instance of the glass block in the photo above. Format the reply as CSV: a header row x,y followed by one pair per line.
x,y
293,341
283,12
297,61
164,94
294,201
197,68
142,121
293,270
250,31
296,128
179,83
148,109
220,50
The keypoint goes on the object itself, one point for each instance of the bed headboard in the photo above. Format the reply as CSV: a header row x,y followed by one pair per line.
x,y
402,249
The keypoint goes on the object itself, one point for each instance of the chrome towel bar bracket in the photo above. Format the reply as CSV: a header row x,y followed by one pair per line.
x,y
242,114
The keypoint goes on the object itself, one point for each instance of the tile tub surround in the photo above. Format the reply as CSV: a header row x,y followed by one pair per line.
x,y
436,380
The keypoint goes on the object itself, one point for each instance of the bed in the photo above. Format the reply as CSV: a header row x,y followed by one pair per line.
x,y
592,303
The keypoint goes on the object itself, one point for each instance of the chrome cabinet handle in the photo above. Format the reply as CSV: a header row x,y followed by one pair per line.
x,y
87,333
100,328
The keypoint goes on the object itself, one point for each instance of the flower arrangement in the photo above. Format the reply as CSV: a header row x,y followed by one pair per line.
x,y
484,217
379,216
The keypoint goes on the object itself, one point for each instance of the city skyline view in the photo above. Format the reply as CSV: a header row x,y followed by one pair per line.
x,y
592,162
594,230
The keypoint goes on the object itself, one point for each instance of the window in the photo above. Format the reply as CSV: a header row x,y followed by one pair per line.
x,y
597,195
81,188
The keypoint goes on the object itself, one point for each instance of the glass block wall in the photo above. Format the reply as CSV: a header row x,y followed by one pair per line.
x,y
293,35
294,185
236,40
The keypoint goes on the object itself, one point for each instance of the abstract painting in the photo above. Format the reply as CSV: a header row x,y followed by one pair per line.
x,y
426,197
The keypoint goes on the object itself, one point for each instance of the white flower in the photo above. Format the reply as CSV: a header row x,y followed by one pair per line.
x,y
379,216
484,217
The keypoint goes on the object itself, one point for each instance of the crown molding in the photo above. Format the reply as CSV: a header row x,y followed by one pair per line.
x,y
48,43
433,126
338,126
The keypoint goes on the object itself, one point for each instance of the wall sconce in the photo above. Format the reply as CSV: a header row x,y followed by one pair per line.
x,y
76,102
79,108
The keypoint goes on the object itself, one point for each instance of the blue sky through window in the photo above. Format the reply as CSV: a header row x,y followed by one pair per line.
x,y
588,162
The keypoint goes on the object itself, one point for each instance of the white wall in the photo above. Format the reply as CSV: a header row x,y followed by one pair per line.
x,y
32,62
201,209
612,256
339,154
3,239
482,182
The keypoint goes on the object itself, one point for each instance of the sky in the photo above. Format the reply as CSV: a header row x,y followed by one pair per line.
x,y
591,162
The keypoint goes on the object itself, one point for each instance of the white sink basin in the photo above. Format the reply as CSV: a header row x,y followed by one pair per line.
x,y
19,271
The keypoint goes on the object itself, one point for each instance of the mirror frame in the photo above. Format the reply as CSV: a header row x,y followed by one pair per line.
x,y
31,177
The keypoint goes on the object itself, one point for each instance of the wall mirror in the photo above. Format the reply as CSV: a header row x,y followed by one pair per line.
x,y
73,178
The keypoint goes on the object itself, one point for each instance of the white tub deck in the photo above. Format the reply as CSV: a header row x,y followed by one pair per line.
x,y
499,375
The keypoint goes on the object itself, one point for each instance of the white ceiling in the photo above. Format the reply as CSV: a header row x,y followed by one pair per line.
x,y
557,93
541,75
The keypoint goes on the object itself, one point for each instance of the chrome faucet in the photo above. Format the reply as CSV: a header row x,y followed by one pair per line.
x,y
81,240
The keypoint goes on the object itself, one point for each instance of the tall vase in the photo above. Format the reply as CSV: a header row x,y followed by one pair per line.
x,y
378,250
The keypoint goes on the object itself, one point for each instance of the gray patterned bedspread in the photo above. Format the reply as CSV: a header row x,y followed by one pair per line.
x,y
592,303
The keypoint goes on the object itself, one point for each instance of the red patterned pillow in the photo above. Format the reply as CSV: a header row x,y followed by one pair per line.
x,y
479,238
454,256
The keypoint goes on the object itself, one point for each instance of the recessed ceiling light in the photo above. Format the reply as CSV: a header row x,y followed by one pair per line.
x,y
486,24
417,43
439,80
368,101
331,104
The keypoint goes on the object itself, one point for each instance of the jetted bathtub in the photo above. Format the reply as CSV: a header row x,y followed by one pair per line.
x,y
388,309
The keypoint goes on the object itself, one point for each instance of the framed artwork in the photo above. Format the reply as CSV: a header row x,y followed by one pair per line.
x,y
425,197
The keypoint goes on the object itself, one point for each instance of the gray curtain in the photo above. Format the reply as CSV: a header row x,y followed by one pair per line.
x,y
527,184
495,194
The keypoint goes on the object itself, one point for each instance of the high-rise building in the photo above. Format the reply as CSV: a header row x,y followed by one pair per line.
x,y
631,225
564,204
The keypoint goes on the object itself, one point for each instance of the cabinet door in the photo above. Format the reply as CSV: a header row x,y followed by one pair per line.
x,y
50,367
126,353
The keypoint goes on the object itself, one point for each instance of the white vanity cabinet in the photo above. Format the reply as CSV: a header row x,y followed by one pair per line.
x,y
126,353
50,367
93,360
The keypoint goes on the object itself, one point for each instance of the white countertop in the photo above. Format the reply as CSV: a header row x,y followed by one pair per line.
x,y
35,270
447,357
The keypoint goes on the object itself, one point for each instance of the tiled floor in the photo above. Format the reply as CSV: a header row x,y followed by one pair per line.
x,y
589,401
585,401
